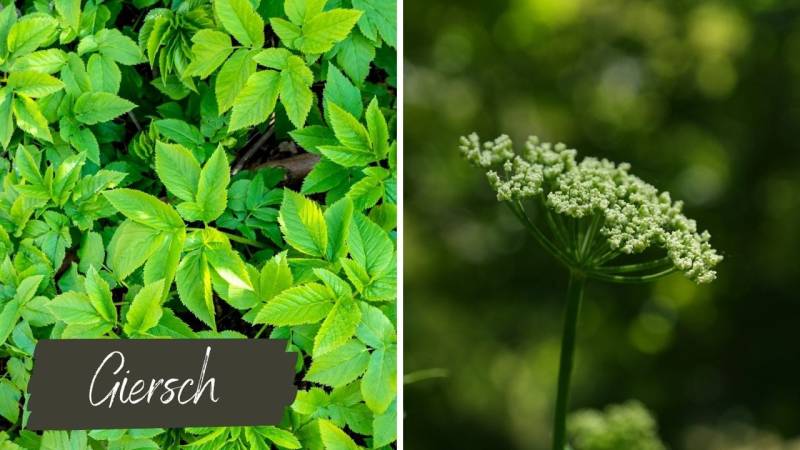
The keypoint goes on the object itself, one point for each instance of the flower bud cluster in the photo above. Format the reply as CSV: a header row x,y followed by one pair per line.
x,y
490,153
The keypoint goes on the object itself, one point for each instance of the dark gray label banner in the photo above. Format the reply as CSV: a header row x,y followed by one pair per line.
x,y
80,384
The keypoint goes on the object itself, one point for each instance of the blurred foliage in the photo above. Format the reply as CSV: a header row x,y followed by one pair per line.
x,y
703,98
628,426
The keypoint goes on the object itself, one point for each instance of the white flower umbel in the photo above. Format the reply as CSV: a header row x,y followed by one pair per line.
x,y
589,215
594,211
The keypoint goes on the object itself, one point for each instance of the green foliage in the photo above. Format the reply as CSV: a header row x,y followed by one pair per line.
x,y
136,200
628,426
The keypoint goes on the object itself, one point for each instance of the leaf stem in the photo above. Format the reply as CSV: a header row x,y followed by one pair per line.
x,y
538,234
243,240
631,279
261,331
577,281
589,237
558,231
657,263
424,374
609,254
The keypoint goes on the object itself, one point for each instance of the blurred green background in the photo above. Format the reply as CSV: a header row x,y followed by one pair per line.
x,y
703,98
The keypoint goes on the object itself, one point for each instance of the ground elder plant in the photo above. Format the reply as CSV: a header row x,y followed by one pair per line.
x,y
598,220
198,169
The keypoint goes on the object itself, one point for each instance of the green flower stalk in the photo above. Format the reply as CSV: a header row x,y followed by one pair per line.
x,y
596,218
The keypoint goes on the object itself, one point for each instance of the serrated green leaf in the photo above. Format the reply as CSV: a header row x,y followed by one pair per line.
x,y
173,87
120,48
104,73
27,165
300,11
92,330
70,11
180,132
91,252
144,209
74,308
9,315
9,402
8,17
308,303
338,217
95,107
241,20
238,294
355,55
229,266
6,116
30,119
375,329
164,262
67,175
27,288
232,77
61,440
212,188
210,49
338,327
380,16
145,310
338,286
80,138
178,169
310,401
384,286
325,176
347,156
303,224
100,296
190,211
370,246
256,100
348,130
340,366
366,192
277,436
379,385
295,90
334,438
255,440
275,276
130,235
44,61
274,58
29,33
340,91
384,426
73,74
385,215
356,273
194,287
378,129
325,29
286,31
311,137
12,310
171,325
